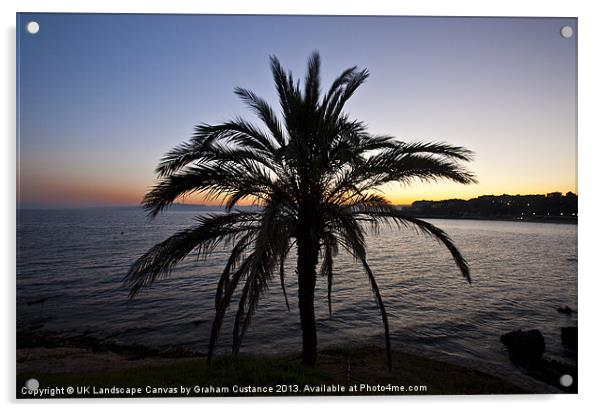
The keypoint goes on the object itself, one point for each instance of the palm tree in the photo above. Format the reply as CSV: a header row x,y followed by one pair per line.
x,y
316,175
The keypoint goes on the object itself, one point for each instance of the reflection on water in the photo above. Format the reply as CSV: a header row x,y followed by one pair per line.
x,y
70,265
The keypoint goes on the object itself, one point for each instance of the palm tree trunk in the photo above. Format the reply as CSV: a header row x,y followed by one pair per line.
x,y
307,259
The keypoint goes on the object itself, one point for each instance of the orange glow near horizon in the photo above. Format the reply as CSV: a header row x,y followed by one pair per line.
x,y
46,182
88,196
409,195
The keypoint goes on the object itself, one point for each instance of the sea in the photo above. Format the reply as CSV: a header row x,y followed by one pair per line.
x,y
71,264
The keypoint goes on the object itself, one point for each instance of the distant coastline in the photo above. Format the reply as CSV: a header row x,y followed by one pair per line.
x,y
549,208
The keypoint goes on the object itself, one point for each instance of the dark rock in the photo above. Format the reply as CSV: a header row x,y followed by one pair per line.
x,y
525,345
567,310
569,337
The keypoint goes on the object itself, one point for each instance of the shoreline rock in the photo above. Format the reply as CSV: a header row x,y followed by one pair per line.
x,y
569,335
525,345
567,310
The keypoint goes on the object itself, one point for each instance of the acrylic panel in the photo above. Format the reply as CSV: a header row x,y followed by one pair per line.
x,y
277,205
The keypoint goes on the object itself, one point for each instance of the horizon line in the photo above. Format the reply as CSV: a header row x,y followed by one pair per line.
x,y
134,205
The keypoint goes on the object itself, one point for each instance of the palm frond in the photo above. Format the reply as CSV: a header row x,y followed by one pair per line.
x,y
390,166
238,131
223,305
355,80
337,84
283,257
330,250
380,213
263,110
232,263
179,157
381,307
271,244
212,178
312,80
161,259
260,269
435,148
351,237
256,271
284,85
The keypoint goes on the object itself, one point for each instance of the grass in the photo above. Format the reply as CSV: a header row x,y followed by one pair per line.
x,y
346,367
368,365
226,371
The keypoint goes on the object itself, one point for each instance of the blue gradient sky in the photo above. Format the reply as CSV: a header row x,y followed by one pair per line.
x,y
102,97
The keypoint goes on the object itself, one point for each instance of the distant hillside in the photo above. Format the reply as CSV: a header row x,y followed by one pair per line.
x,y
550,207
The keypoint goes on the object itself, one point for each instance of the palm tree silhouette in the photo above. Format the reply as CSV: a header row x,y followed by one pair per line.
x,y
316,175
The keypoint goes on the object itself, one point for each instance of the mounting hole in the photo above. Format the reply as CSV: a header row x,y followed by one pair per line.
x,y
566,380
32,384
32,27
566,32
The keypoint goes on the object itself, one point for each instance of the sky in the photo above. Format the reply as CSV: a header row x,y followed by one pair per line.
x,y
100,98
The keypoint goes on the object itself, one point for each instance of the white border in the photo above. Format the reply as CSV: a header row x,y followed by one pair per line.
x,y
590,135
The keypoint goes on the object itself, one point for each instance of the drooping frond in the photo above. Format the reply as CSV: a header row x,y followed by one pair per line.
x,y
381,307
330,251
212,230
441,236
272,242
350,235
223,305
283,257
236,256
269,243
385,213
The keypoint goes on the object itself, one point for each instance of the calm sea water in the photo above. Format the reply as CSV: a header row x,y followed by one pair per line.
x,y
70,264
